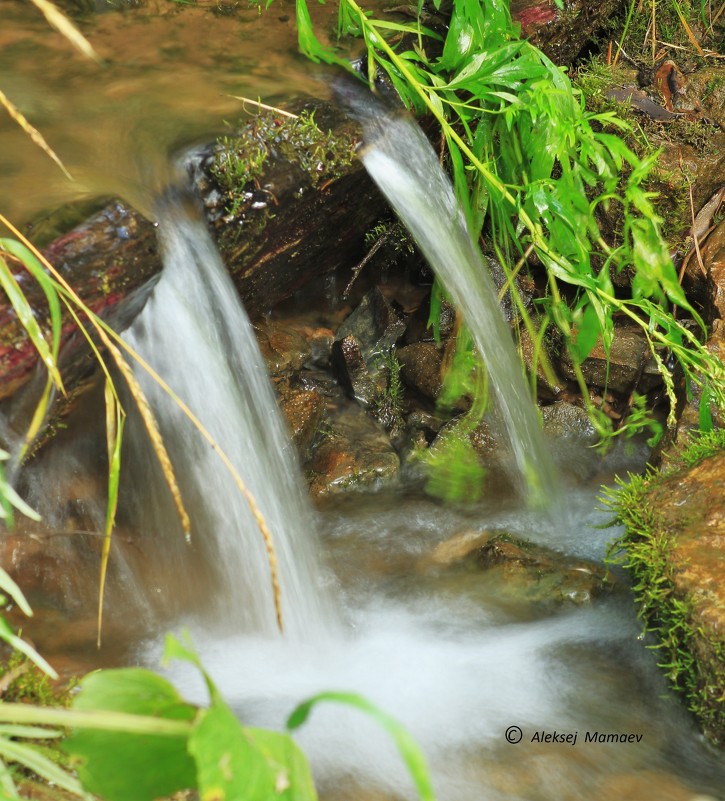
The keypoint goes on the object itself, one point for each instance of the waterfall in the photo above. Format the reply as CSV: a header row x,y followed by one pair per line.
x,y
402,163
196,335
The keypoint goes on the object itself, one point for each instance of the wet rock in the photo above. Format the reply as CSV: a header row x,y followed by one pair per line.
x,y
354,453
303,409
350,365
634,786
418,330
375,325
563,33
549,385
284,349
565,421
360,344
420,368
631,366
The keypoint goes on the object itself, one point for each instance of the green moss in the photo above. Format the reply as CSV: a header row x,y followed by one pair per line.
x,y
690,655
241,159
24,683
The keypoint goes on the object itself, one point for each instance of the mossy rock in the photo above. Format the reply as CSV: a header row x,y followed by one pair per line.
x,y
673,548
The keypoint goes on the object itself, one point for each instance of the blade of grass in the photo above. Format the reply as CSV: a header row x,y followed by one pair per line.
x,y
407,747
19,302
65,27
115,418
688,29
34,134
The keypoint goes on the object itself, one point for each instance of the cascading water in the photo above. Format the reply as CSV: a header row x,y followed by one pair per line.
x,y
403,164
195,333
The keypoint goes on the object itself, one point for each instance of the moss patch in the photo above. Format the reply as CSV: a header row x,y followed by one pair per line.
x,y
241,159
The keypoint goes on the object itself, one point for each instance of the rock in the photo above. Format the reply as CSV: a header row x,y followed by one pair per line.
x,y
350,366
631,366
354,453
566,421
549,385
417,329
713,259
675,545
284,349
360,345
420,368
303,409
375,325
314,228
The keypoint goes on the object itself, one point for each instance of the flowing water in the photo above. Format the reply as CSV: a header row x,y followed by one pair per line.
x,y
449,652
405,167
195,334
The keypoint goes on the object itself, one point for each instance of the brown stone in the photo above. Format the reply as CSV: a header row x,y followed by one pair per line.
x,y
631,366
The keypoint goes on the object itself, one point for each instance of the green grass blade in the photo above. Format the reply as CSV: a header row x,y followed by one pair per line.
x,y
31,758
409,750
19,302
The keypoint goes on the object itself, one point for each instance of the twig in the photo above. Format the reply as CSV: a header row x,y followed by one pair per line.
x,y
379,242
265,106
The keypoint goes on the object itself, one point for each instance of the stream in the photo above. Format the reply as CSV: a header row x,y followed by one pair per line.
x,y
464,665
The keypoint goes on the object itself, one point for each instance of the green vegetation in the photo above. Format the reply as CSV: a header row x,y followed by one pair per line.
x,y
135,739
533,170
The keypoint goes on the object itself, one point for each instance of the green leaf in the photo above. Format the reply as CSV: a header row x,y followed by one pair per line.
x,y
139,767
705,412
229,767
291,767
409,750
587,333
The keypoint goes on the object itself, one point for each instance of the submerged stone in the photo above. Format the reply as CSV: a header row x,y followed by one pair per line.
x,y
525,571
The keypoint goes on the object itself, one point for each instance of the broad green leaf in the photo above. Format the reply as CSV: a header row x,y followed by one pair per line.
x,y
587,333
230,766
139,767
407,747
290,764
